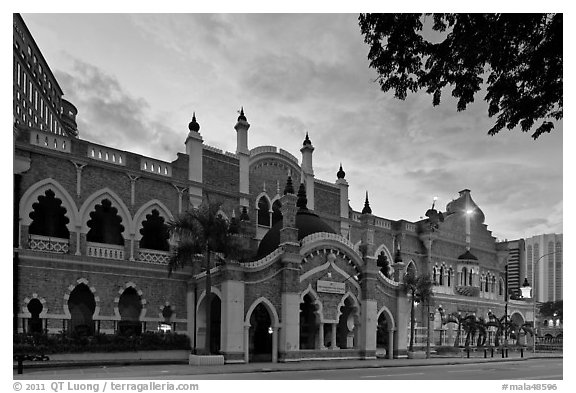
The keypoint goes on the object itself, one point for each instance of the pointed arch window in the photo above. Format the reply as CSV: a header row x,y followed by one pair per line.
x,y
105,225
263,212
276,211
442,271
154,232
449,278
49,217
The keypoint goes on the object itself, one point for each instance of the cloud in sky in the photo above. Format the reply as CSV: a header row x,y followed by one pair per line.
x,y
137,78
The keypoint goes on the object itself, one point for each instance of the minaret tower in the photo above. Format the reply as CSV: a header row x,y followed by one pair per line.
x,y
194,150
308,170
243,154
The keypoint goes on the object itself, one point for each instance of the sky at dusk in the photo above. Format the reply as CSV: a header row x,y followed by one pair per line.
x,y
136,79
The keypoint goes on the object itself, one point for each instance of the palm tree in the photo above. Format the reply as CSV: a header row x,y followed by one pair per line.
x,y
202,233
420,290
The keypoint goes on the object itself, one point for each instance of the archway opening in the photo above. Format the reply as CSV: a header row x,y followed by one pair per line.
x,y
49,217
154,232
105,225
130,307
81,305
215,323
263,212
276,211
346,325
308,323
260,335
382,333
35,307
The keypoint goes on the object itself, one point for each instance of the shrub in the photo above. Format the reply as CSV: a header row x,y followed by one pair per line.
x,y
447,350
62,343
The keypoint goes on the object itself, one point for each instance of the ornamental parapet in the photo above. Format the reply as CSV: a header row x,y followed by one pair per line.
x,y
153,256
106,251
263,261
319,236
48,244
388,280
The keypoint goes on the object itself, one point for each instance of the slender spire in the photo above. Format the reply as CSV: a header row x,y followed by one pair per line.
x,y
242,117
289,188
367,209
302,201
340,174
193,125
307,140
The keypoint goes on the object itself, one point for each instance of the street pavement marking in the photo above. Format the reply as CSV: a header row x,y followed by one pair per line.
x,y
389,375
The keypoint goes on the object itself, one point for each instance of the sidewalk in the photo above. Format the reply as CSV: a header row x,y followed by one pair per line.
x,y
306,365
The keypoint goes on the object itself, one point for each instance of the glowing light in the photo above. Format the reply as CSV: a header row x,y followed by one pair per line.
x,y
469,211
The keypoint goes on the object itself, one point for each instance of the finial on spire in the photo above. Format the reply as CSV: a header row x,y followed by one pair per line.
x,y
242,117
193,125
289,188
306,140
302,201
367,209
340,174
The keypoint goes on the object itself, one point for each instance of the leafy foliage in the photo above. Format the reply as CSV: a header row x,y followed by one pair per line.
x,y
518,56
420,290
552,309
63,343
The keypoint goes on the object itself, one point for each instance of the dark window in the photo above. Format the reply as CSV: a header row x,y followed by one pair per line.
x,y
49,217
263,212
154,232
105,225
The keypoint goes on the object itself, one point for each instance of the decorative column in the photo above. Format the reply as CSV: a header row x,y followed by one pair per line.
x,y
180,191
133,179
132,247
390,352
78,239
289,337
274,344
79,166
321,336
333,338
368,320
246,344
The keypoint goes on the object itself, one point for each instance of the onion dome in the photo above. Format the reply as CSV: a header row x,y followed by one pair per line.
x,y
366,209
289,189
307,141
306,222
340,174
302,201
468,256
242,117
194,126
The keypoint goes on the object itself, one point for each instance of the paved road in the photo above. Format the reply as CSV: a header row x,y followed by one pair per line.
x,y
533,369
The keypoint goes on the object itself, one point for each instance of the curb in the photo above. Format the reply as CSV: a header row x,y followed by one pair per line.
x,y
269,368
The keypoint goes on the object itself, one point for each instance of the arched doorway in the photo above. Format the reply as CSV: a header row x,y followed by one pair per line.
x,y
382,336
308,323
130,307
260,335
215,324
35,307
346,328
81,305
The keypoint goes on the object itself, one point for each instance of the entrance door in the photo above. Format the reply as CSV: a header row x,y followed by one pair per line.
x,y
260,335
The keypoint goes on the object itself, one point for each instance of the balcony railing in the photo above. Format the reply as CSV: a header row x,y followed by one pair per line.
x,y
153,256
106,251
48,244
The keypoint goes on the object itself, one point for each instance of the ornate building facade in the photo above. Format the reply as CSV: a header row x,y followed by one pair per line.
x,y
324,280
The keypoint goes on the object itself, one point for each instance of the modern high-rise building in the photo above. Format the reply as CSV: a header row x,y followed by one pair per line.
x,y
544,255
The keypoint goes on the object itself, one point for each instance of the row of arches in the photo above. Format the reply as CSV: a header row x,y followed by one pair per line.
x,y
268,212
262,323
81,309
49,204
